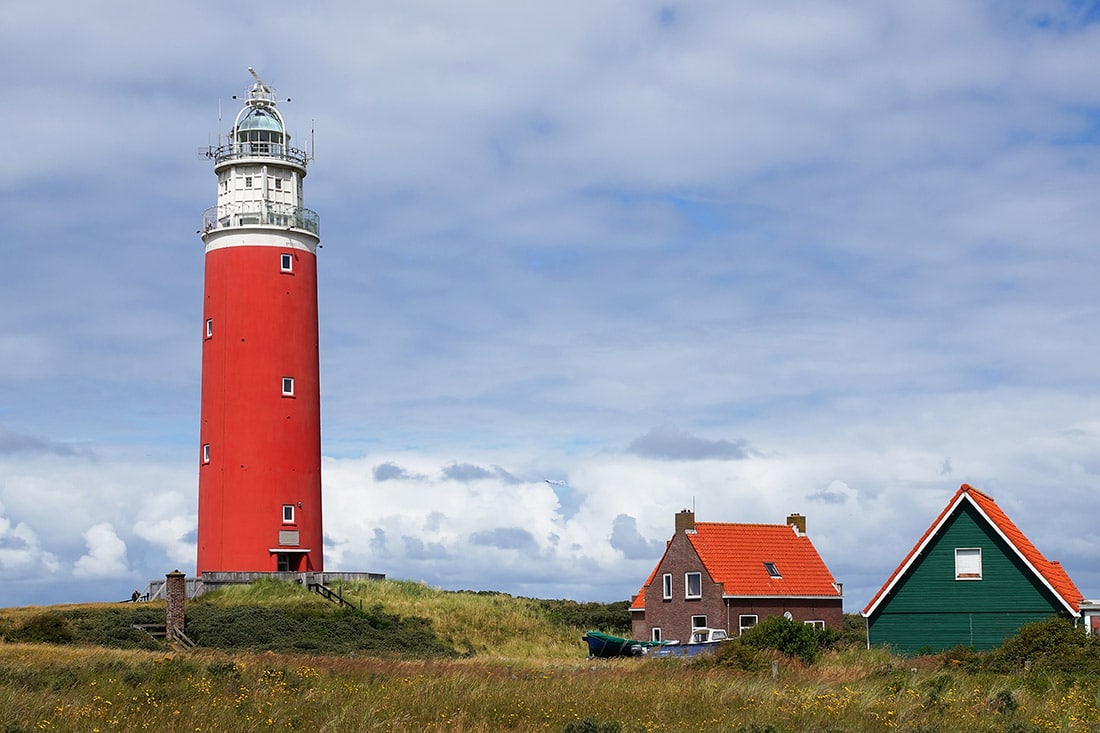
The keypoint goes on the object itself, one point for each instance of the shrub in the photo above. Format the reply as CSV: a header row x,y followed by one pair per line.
x,y
45,628
1054,645
740,656
792,638
611,617
591,725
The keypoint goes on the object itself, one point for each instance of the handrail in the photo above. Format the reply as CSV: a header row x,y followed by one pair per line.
x,y
233,151
261,214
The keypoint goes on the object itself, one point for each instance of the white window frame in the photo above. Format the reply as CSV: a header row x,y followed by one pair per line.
x,y
699,621
655,633
286,262
968,563
209,328
698,584
288,386
817,623
248,181
206,453
744,618
288,514
666,586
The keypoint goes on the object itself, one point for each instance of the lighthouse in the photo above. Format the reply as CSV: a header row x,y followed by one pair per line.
x,y
260,433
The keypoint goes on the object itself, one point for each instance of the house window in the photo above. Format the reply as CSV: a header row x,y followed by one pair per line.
x,y
773,571
206,453
747,621
209,327
667,583
655,633
286,262
968,563
288,386
818,624
693,585
288,514
698,622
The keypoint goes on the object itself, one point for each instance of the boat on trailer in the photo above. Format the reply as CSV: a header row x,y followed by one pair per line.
x,y
701,641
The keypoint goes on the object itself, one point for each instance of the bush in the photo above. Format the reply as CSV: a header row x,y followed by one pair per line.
x,y
591,725
45,628
791,638
613,618
740,656
1054,645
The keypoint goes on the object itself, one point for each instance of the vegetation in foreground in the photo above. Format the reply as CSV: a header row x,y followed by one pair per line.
x,y
1045,679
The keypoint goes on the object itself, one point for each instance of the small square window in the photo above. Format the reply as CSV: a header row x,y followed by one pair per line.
x,y
288,386
278,184
968,563
693,585
698,622
209,327
655,633
747,621
288,514
248,181
206,453
667,586
286,262
773,571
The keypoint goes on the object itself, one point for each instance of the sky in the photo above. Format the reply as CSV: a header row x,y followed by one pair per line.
x,y
584,265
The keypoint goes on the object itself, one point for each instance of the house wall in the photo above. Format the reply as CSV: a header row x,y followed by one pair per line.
x,y
673,616
930,609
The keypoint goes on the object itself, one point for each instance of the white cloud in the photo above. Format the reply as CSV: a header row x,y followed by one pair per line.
x,y
106,555
21,554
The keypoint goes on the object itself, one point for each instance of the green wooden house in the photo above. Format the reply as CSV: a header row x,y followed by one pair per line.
x,y
972,579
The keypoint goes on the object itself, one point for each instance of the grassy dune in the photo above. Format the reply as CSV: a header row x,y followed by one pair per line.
x,y
528,672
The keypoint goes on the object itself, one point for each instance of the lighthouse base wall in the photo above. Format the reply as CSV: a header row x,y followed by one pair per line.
x,y
208,581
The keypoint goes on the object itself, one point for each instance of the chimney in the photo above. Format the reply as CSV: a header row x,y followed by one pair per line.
x,y
798,522
685,521
175,591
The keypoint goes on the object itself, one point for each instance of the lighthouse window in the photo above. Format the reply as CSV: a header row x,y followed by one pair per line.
x,y
286,263
248,181
278,184
288,386
206,453
209,327
288,514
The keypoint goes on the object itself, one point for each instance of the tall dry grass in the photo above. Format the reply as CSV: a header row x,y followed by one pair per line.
x,y
89,689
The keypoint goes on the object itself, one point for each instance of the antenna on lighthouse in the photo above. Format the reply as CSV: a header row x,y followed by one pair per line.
x,y
260,86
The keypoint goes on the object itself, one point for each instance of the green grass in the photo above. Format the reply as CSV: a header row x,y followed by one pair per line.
x,y
528,673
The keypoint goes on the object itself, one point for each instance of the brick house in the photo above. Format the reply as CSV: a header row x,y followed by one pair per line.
x,y
732,576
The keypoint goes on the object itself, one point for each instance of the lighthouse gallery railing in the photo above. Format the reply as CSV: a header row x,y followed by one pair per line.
x,y
261,214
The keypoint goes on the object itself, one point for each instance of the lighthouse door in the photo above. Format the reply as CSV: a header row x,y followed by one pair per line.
x,y
288,562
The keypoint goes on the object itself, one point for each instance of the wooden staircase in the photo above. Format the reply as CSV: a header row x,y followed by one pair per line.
x,y
160,633
329,594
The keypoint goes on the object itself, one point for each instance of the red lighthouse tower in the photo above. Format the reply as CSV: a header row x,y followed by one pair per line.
x,y
260,456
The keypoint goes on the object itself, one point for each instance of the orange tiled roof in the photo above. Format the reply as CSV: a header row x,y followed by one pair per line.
x,y
1049,572
734,555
